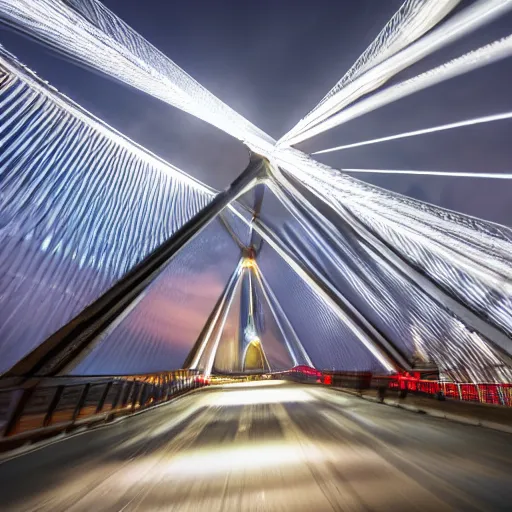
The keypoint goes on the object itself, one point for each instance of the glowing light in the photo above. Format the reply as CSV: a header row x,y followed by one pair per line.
x,y
240,458
261,395
257,384
89,33
488,175
424,131
333,111
248,263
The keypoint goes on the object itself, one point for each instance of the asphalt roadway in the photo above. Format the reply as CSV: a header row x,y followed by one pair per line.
x,y
266,446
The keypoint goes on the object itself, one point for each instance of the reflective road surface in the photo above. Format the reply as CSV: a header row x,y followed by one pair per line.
x,y
266,446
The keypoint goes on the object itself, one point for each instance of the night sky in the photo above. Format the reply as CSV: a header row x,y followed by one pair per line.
x,y
272,61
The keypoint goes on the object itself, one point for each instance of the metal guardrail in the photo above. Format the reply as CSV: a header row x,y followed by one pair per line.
x,y
300,374
57,404
485,393
51,405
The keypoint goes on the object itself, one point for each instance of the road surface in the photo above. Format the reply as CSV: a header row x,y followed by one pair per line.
x,y
266,446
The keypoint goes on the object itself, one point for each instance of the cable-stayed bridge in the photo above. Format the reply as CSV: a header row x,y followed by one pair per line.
x,y
100,238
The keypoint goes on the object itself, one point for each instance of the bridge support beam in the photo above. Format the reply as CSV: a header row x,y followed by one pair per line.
x,y
296,349
62,350
391,358
498,340
195,355
259,192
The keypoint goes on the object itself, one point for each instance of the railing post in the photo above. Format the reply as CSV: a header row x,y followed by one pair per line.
x,y
139,387
140,398
501,398
134,392
168,384
53,404
101,403
165,390
155,392
118,395
80,402
127,392
145,394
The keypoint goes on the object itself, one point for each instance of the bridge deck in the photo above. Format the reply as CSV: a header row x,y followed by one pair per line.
x,y
472,413
272,446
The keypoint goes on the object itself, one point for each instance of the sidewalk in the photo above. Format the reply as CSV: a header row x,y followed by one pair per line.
x,y
483,415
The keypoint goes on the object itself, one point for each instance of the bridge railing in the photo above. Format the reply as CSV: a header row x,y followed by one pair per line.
x,y
300,374
486,393
57,404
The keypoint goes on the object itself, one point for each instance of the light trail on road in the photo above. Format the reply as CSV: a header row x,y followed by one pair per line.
x,y
259,446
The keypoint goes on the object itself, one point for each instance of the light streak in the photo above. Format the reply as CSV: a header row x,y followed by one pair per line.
x,y
334,111
274,303
423,131
234,279
213,352
251,395
488,175
411,21
89,33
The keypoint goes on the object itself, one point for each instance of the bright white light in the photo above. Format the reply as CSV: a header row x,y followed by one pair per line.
x,y
93,35
491,175
334,111
424,131
256,384
236,276
225,460
411,21
260,396
250,335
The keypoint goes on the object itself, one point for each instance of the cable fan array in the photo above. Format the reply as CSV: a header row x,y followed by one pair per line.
x,y
368,268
